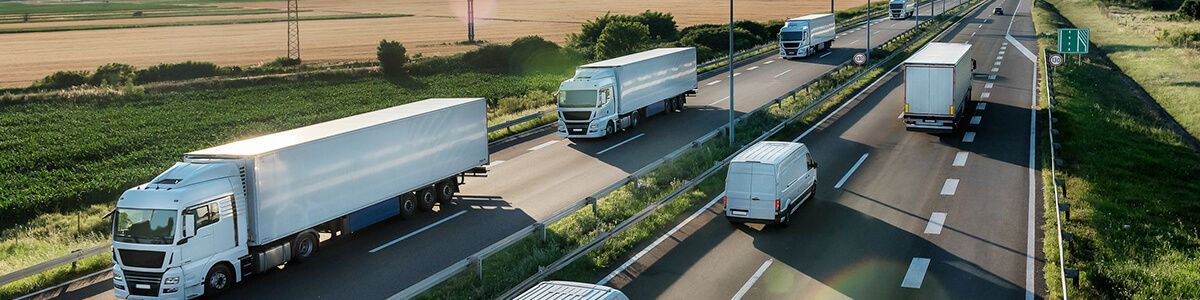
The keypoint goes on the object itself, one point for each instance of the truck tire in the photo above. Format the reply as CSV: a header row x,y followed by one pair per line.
x,y
682,103
635,118
408,205
611,129
426,198
304,246
218,280
445,191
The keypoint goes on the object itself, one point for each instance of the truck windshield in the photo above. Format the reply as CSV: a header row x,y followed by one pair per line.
x,y
791,36
898,6
577,99
144,226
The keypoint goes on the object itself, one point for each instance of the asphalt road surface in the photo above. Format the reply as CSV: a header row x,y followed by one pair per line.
x,y
921,216
529,180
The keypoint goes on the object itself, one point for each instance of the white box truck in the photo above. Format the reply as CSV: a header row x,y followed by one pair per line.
x,y
229,211
902,9
768,181
566,290
607,96
937,87
803,36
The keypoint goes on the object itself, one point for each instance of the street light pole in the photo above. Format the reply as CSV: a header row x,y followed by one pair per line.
x,y
731,138
868,30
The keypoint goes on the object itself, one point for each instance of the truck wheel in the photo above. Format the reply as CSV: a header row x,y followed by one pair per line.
x,y
218,280
304,246
445,191
635,118
426,199
682,103
611,129
408,206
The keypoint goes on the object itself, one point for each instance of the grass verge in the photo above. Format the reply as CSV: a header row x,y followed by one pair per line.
x,y
521,260
1129,180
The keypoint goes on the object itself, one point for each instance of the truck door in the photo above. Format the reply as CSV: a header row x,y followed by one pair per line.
x,y
199,248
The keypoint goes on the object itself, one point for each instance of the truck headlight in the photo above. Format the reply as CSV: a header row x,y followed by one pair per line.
x,y
593,126
171,280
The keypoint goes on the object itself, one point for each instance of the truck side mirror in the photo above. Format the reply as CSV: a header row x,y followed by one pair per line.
x,y
189,225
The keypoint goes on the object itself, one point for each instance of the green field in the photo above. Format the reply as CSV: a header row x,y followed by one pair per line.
x,y
196,23
1130,181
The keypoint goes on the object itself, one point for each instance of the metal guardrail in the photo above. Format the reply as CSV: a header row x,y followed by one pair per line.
x,y
1058,206
514,122
71,258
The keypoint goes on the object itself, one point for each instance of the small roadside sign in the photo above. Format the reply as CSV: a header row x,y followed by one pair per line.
x,y
1056,59
860,58
1073,40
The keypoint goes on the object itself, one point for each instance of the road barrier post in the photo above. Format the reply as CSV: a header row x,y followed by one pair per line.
x,y
477,265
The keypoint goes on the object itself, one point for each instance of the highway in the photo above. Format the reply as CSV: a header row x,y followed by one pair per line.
x,y
918,216
529,180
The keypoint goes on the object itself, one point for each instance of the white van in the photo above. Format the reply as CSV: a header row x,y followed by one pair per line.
x,y
768,181
567,290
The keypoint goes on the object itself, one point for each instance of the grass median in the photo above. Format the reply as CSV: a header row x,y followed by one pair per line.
x,y
516,263
1130,182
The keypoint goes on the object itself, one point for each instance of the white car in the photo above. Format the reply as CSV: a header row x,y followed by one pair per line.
x,y
768,181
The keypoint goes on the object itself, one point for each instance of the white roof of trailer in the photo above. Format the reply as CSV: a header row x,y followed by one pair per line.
x,y
281,140
939,54
636,57
566,290
771,153
808,17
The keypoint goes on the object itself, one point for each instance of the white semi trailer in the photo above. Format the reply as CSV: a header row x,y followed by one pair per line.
x,y
607,96
937,87
902,9
803,36
229,211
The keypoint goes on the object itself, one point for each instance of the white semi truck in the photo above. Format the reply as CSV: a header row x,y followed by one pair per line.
x,y
902,9
937,87
230,211
607,96
803,36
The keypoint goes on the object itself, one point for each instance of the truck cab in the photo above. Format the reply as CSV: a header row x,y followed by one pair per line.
x,y
179,234
902,9
586,104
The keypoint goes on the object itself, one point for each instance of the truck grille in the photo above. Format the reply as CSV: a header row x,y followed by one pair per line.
x,y
577,128
142,259
791,45
151,279
577,115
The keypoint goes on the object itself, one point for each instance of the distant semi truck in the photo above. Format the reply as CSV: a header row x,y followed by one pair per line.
x,y
902,9
607,96
937,87
230,211
803,36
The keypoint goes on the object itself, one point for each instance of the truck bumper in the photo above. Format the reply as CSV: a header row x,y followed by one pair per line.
x,y
793,53
581,130
930,124
778,217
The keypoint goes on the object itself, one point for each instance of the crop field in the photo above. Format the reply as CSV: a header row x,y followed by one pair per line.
x,y
436,28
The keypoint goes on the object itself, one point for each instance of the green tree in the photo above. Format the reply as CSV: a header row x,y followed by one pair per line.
x,y
113,74
756,28
621,38
392,57
661,25
1190,9
717,39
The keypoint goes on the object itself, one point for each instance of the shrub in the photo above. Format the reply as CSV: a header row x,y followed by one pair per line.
x,y
717,39
591,30
621,38
532,54
690,29
661,25
62,80
516,104
176,71
1179,38
1189,9
113,74
437,64
392,57
284,62
773,27
490,58
756,28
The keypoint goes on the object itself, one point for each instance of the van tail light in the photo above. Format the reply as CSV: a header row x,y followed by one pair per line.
x,y
725,200
776,204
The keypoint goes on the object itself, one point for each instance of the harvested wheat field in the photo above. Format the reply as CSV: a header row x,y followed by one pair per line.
x,y
434,30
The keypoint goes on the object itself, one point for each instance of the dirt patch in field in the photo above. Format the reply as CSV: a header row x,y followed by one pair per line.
x,y
435,30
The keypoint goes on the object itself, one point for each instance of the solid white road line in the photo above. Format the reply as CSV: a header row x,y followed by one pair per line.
x,y
1021,48
988,85
781,74
660,239
984,95
423,229
851,171
719,101
824,55
916,273
981,106
949,187
935,223
975,120
714,82
960,159
543,145
751,68
736,74
621,143
969,137
750,283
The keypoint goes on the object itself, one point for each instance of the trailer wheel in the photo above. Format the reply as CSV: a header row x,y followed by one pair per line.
x,y
304,246
218,280
408,205
681,104
445,192
426,199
